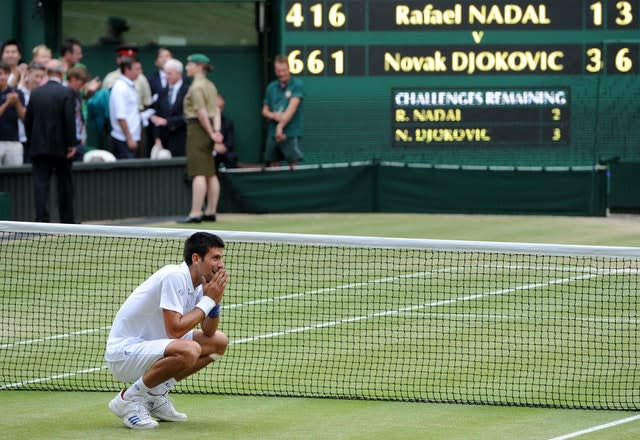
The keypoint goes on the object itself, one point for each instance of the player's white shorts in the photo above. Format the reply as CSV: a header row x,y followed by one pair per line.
x,y
139,357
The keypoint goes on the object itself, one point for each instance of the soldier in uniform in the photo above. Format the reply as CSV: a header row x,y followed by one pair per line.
x,y
203,139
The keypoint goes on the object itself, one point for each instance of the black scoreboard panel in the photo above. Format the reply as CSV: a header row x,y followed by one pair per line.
x,y
467,82
480,116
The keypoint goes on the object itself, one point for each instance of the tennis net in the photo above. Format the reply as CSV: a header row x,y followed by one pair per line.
x,y
340,317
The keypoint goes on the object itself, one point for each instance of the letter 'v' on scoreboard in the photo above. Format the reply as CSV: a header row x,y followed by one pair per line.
x,y
441,75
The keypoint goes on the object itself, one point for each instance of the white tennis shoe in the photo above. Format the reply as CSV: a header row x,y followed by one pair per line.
x,y
162,408
134,413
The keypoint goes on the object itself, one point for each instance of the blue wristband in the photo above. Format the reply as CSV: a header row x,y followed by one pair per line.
x,y
215,312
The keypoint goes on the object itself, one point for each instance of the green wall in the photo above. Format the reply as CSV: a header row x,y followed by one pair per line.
x,y
157,188
29,24
383,187
5,206
624,185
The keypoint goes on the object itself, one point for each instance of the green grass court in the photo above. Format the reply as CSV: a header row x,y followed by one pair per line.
x,y
29,414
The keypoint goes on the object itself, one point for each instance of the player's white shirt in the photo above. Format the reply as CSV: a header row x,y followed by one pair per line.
x,y
140,317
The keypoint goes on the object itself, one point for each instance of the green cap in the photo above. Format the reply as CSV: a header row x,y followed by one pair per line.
x,y
199,58
202,59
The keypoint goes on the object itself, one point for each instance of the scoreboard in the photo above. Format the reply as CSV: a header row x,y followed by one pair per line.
x,y
552,82
534,117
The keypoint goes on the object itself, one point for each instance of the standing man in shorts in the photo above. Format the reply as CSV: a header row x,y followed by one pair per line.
x,y
153,343
282,108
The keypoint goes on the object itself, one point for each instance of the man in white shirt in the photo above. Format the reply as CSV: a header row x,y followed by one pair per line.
x,y
153,343
124,114
142,84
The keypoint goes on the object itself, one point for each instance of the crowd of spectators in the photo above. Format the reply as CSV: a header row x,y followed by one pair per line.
x,y
171,112
152,126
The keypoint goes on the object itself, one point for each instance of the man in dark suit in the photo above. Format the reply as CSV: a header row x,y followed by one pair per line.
x,y
157,79
51,142
169,122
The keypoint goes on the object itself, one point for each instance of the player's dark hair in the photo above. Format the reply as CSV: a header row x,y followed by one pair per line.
x,y
200,243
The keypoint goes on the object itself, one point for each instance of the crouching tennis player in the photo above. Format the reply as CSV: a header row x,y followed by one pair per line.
x,y
153,342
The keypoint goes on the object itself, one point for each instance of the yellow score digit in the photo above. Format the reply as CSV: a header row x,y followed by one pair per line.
x,y
556,114
315,65
294,16
338,62
557,134
337,18
596,9
595,60
623,63
316,11
296,65
625,18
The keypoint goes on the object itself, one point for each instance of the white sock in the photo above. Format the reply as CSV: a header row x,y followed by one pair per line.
x,y
138,389
163,388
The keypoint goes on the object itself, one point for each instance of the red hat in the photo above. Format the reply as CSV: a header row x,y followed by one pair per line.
x,y
127,51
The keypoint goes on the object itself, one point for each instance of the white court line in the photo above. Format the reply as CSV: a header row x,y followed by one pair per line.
x,y
496,316
411,308
50,338
597,428
369,316
424,274
344,286
550,267
50,378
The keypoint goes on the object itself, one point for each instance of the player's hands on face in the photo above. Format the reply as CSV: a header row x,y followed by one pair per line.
x,y
214,288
